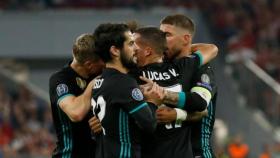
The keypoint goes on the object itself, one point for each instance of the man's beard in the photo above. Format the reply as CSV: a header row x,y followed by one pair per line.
x,y
171,55
128,63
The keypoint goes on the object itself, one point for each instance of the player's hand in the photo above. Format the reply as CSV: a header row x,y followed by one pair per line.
x,y
166,115
95,125
154,94
152,87
148,83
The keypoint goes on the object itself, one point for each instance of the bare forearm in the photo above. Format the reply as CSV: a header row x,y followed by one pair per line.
x,y
76,108
194,102
208,51
196,116
171,98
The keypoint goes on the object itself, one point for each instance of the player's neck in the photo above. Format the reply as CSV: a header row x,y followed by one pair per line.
x,y
117,66
186,51
79,69
154,59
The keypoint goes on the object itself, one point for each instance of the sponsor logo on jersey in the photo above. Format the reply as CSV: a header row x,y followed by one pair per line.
x,y
61,89
137,94
81,83
205,78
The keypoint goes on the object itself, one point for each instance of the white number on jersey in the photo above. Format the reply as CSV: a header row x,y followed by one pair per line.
x,y
99,109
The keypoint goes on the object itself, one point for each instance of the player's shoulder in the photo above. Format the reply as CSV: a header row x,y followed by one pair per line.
x,y
206,69
185,59
62,74
127,79
117,79
206,66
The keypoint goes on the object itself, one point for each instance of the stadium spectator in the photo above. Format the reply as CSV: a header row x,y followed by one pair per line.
x,y
237,148
276,150
266,152
20,124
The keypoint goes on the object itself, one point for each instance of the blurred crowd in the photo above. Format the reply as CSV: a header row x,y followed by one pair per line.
x,y
236,147
94,4
25,124
250,29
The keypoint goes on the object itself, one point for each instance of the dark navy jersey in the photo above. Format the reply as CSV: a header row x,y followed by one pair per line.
x,y
74,138
119,104
202,130
170,140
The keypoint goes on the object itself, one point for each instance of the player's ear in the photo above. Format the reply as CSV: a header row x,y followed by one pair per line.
x,y
88,63
187,38
148,51
114,51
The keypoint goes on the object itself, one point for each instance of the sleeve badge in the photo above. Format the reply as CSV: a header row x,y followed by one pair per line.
x,y
137,94
205,78
61,89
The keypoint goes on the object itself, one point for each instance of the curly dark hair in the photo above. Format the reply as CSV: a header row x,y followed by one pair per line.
x,y
107,35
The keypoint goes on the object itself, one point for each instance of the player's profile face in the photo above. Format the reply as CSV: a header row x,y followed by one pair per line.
x,y
96,67
127,56
173,38
139,50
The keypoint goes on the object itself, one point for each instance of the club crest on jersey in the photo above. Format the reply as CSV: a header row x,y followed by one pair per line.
x,y
137,94
61,89
205,78
81,83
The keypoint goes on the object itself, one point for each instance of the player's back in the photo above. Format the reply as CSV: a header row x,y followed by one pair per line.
x,y
115,98
74,138
169,140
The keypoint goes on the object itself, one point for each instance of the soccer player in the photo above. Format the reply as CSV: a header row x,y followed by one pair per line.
x,y
70,100
179,31
169,140
117,100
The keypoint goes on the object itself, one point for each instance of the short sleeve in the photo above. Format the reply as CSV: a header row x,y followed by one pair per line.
x,y
187,64
205,78
60,87
129,96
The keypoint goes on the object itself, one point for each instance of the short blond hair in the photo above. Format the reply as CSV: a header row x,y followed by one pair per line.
x,y
84,48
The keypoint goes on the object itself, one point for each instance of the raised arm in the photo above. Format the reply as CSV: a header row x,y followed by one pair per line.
x,y
207,51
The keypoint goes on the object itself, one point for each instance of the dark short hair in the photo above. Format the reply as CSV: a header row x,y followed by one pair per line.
x,y
84,49
107,35
180,20
154,37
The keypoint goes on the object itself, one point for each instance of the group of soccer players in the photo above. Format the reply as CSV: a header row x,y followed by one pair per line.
x,y
154,97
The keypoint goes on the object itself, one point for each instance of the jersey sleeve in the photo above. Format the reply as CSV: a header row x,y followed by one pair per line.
x,y
205,78
202,91
192,62
131,100
59,88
